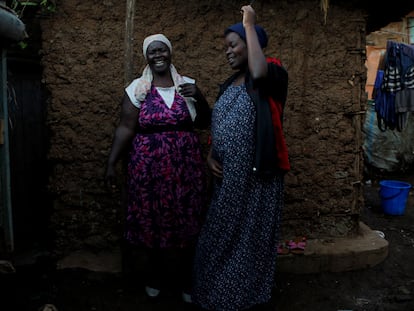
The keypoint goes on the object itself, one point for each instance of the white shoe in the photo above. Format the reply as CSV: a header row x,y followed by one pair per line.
x,y
152,292
186,297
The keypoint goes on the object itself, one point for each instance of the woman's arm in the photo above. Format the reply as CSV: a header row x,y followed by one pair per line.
x,y
256,58
122,137
214,165
203,119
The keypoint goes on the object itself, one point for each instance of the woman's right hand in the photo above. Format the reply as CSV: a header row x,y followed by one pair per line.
x,y
110,178
214,165
249,15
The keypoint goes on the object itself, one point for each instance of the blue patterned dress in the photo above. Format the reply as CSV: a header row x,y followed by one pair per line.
x,y
166,177
236,253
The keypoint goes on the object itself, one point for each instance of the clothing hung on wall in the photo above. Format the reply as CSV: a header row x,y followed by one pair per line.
x,y
394,87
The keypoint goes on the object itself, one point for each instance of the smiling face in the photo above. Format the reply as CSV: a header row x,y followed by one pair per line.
x,y
236,51
158,57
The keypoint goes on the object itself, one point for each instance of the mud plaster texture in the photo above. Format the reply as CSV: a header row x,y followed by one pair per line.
x,y
83,59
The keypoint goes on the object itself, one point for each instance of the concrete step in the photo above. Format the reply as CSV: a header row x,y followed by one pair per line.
x,y
365,250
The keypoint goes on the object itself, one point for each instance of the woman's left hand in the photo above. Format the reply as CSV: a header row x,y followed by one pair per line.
x,y
188,90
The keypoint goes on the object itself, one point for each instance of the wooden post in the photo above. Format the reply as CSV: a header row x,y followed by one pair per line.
x,y
129,41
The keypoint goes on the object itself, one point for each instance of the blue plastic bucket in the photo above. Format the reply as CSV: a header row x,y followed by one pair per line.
x,y
394,195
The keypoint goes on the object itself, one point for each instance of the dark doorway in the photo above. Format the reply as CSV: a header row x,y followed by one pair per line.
x,y
28,152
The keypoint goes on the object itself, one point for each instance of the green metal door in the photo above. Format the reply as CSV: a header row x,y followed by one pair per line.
x,y
6,224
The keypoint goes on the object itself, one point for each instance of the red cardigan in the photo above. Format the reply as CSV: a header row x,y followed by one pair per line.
x,y
276,108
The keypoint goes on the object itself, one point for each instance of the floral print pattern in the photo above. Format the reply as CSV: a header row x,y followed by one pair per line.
x,y
236,253
166,185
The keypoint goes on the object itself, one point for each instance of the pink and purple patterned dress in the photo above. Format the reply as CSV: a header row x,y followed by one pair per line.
x,y
166,186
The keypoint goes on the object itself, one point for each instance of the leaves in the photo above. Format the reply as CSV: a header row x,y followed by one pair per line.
x,y
28,3
19,6
46,6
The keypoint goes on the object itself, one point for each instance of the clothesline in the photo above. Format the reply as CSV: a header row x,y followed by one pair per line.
x,y
395,32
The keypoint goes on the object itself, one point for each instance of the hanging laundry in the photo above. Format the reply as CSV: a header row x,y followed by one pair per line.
x,y
394,87
384,104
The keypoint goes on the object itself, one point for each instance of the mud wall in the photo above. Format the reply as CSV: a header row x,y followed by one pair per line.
x,y
83,60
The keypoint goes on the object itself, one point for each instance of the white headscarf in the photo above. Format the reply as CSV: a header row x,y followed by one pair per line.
x,y
157,37
144,82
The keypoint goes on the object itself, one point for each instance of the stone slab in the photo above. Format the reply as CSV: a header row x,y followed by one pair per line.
x,y
365,250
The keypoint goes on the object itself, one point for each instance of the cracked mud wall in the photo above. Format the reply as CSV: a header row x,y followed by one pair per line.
x,y
83,60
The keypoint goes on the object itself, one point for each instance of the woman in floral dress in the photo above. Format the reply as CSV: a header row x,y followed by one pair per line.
x,y
166,184
236,253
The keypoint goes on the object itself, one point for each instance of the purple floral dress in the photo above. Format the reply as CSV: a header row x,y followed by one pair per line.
x,y
166,186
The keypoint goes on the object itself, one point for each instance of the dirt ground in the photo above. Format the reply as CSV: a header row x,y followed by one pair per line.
x,y
388,286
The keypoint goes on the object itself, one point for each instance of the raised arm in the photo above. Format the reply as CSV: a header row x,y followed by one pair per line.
x,y
257,60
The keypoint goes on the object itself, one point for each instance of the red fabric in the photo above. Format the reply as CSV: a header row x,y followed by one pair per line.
x,y
276,109
274,61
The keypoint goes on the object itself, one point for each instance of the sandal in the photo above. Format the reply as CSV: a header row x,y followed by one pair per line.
x,y
297,246
283,248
